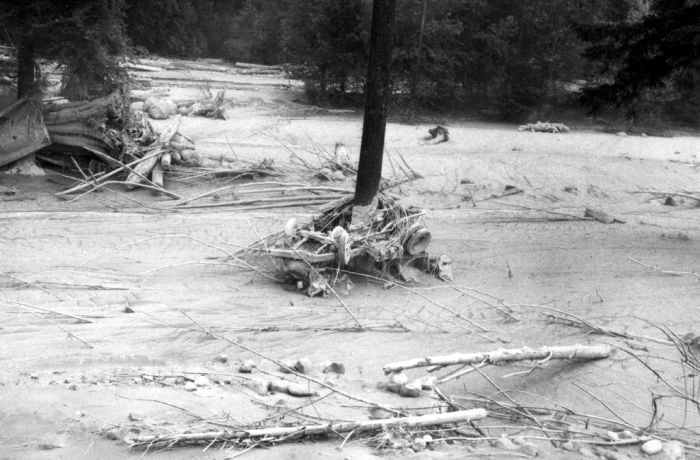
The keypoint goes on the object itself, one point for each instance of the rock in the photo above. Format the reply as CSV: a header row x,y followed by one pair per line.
x,y
670,201
398,378
621,134
613,436
338,176
627,434
48,446
586,452
504,443
418,445
652,447
190,386
136,107
673,450
259,386
333,367
246,367
428,382
222,358
201,381
287,364
411,390
184,110
610,454
303,366
568,445
530,449
73,387
159,109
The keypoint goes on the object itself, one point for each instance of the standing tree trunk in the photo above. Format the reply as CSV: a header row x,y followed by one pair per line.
x,y
377,93
26,68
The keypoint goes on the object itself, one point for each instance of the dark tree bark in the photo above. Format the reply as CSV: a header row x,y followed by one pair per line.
x,y
26,69
376,99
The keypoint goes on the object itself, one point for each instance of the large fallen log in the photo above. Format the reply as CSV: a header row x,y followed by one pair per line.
x,y
22,131
582,352
286,432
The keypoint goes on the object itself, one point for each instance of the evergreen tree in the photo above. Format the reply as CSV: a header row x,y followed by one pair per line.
x,y
82,36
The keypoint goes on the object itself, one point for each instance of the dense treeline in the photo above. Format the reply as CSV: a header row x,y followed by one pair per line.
x,y
510,58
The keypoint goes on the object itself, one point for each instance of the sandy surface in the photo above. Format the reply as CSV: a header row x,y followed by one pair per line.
x,y
105,256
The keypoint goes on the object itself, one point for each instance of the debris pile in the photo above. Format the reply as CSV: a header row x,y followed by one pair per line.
x,y
545,127
309,256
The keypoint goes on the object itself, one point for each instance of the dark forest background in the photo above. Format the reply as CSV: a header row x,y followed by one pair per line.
x,y
500,58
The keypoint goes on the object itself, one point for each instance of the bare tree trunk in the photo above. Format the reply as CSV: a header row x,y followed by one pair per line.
x,y
376,99
26,72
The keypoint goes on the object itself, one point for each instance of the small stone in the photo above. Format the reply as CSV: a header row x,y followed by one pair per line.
x,y
201,381
610,454
246,367
652,447
259,386
613,436
334,367
529,449
622,134
73,387
111,435
287,364
303,365
398,378
190,386
411,390
222,358
568,445
673,450
645,135
428,439
428,382
586,452
418,445
134,417
33,376
504,443
627,434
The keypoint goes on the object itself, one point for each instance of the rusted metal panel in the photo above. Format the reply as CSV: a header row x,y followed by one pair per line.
x,y
22,130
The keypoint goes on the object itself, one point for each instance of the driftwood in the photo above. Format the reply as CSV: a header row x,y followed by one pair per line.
x,y
584,352
161,146
287,432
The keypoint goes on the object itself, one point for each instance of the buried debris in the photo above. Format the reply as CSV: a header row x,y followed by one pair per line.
x,y
438,134
601,216
545,127
284,433
310,255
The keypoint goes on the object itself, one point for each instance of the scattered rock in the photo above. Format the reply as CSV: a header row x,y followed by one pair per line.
x,y
621,134
504,443
334,367
24,167
246,367
222,358
411,390
428,382
586,452
73,387
601,216
568,445
610,454
287,366
159,109
670,201
652,447
418,445
134,417
259,386
571,189
48,446
529,449
673,450
303,366
201,381
613,436
190,386
398,378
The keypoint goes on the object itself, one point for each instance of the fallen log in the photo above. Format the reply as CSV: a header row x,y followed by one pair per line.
x,y
161,147
287,432
581,352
